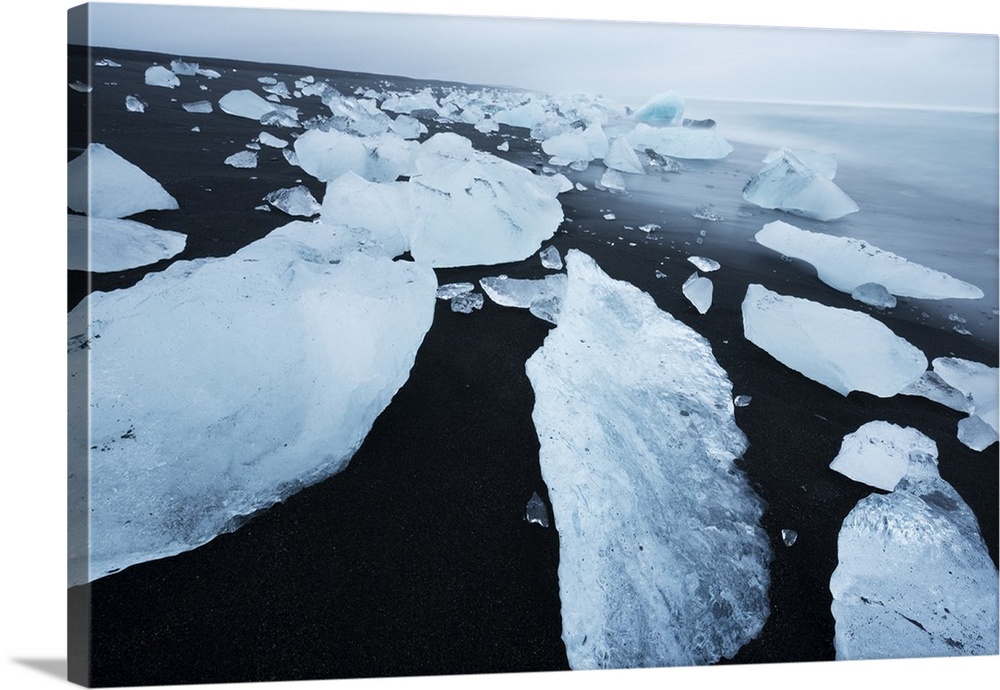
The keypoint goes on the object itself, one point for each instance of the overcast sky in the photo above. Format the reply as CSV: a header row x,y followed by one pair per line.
x,y
624,60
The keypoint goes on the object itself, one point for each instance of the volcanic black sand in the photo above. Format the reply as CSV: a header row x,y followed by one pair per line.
x,y
417,559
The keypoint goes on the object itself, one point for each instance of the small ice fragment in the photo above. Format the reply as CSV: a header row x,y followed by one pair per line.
x,y
262,207
742,400
789,536
290,156
452,290
550,258
505,146
134,105
267,80
81,87
707,212
874,295
196,129
535,511
703,264
295,201
612,181
268,139
106,62
956,318
279,90
198,107
649,227
467,302
158,75
660,274
961,330
698,290
580,187
243,159
609,216
184,69
207,73
878,453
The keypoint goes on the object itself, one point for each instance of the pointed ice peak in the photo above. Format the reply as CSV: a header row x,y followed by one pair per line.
x,y
103,184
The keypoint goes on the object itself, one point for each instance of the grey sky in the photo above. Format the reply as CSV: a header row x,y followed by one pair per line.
x,y
626,61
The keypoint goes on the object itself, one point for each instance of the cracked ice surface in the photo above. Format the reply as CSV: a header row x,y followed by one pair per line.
x,y
878,453
117,245
845,263
222,385
914,578
842,349
102,184
542,297
662,559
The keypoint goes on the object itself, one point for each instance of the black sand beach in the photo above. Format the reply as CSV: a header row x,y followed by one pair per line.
x,y
416,559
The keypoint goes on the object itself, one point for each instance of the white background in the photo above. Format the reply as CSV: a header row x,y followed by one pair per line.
x,y
32,227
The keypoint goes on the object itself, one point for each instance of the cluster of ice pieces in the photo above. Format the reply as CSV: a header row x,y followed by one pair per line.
x,y
914,577
842,349
642,484
786,183
851,265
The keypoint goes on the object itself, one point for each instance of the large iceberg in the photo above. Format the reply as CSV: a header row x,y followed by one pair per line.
x,y
663,109
219,386
914,577
787,184
662,560
679,142
842,349
878,453
109,244
102,184
845,263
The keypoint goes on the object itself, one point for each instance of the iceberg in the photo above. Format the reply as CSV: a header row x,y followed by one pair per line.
x,y
198,107
550,258
979,383
698,290
295,201
134,105
662,560
679,142
786,184
158,75
663,109
914,577
220,386
845,263
102,184
109,244
542,297
878,453
242,159
842,349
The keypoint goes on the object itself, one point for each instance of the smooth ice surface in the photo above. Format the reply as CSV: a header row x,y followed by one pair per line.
x,y
268,139
704,264
117,245
824,164
102,184
198,107
242,159
874,295
250,105
158,75
134,105
622,158
878,453
698,290
787,184
842,349
844,263
550,258
933,387
662,560
542,297
612,181
222,385
663,109
679,142
295,201
979,383
789,537
326,155
379,211
914,578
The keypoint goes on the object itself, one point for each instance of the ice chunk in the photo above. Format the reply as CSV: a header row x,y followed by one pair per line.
x,y
158,75
842,349
662,560
878,453
934,388
703,264
134,105
786,184
679,142
543,297
184,69
207,73
295,201
824,164
789,537
621,157
467,302
844,263
568,146
612,181
198,107
242,159
505,146
535,511
452,290
649,227
326,155
279,89
219,386
106,62
290,156
661,110
874,295
707,212
247,104
380,211
742,400
281,118
550,258
914,577
80,87
979,383
268,139
104,185
408,127
108,244
698,290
